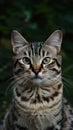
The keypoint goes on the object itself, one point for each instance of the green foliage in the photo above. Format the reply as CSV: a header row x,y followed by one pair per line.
x,y
30,17
36,20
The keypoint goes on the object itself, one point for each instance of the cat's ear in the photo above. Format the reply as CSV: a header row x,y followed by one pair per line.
x,y
55,40
17,40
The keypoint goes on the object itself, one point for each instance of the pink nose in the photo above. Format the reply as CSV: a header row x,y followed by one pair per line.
x,y
36,71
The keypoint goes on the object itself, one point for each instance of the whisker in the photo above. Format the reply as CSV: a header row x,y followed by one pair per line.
x,y
11,84
67,76
11,78
69,83
10,87
66,88
15,81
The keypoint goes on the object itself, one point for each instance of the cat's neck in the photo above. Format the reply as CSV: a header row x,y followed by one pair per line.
x,y
38,97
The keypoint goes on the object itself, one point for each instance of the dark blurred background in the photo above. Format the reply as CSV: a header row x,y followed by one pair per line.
x,y
36,20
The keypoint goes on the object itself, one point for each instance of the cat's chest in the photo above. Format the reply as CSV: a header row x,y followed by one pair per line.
x,y
33,120
38,100
38,110
40,115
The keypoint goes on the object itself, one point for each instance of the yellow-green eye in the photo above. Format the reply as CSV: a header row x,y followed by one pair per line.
x,y
46,60
26,60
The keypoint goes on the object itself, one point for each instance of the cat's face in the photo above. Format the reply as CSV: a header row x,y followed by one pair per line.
x,y
37,62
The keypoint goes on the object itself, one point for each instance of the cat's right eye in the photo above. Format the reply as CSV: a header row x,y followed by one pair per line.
x,y
26,60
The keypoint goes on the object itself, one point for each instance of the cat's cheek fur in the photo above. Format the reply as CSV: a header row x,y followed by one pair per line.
x,y
26,66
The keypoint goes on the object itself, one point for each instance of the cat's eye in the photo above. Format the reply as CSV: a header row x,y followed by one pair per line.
x,y
46,60
26,60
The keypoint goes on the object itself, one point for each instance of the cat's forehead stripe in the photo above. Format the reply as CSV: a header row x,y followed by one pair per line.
x,y
36,47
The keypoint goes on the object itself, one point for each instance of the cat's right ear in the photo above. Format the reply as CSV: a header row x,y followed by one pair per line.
x,y
17,41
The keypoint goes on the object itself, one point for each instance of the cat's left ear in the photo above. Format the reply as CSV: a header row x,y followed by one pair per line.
x,y
17,41
55,40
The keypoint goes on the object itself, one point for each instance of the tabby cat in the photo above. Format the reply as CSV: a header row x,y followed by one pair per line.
x,y
38,102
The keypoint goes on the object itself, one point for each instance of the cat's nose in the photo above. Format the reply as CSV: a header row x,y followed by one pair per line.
x,y
36,71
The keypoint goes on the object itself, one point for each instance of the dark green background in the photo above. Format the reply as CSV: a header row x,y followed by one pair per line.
x,y
36,20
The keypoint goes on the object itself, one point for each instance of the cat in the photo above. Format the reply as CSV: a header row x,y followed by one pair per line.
x,y
38,102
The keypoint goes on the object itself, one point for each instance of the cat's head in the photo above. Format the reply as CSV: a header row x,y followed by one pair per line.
x,y
37,62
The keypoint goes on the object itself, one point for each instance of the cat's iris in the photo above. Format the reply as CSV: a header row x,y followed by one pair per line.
x,y
26,60
46,60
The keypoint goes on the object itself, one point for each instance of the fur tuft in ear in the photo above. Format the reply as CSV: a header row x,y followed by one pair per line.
x,y
17,40
55,40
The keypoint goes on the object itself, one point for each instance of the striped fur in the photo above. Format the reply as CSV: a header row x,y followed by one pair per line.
x,y
38,102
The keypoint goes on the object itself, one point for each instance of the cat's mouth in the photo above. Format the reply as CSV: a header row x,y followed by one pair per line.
x,y
37,79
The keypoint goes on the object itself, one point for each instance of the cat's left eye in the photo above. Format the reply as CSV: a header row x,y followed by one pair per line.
x,y
46,60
